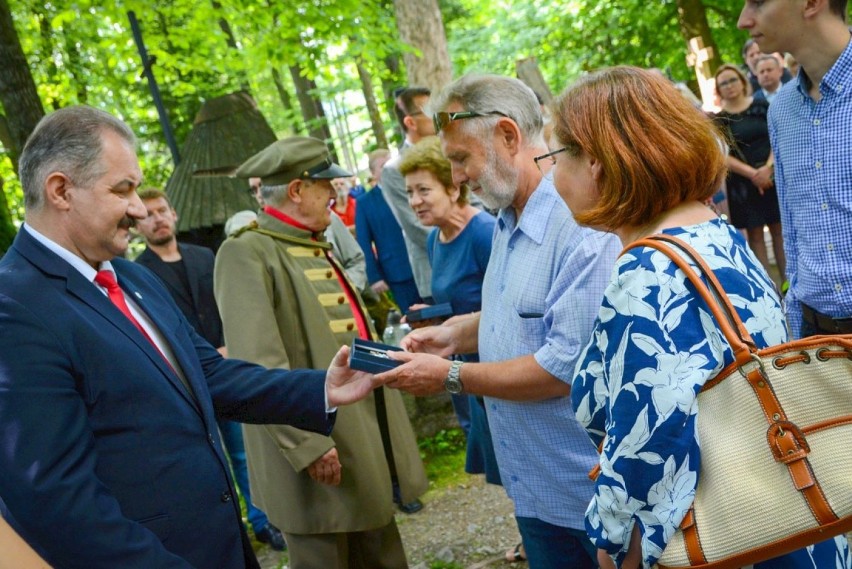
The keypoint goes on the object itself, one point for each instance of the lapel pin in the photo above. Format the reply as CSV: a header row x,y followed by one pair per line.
x,y
139,296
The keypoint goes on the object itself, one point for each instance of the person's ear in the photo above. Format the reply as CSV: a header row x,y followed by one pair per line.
x,y
454,193
57,190
508,134
409,122
294,190
812,8
596,166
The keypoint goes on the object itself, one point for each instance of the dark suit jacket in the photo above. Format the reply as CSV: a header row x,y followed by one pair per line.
x,y
106,461
375,223
198,304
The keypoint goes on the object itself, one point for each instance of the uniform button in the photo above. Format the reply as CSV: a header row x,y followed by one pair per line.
x,y
514,478
210,439
816,122
340,300
818,165
350,327
838,287
226,496
317,252
328,274
830,247
825,206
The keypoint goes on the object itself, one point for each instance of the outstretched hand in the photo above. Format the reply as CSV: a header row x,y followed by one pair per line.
x,y
438,340
343,385
420,374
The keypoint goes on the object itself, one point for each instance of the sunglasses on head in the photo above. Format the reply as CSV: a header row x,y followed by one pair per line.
x,y
443,118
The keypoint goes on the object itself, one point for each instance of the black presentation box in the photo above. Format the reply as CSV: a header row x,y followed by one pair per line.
x,y
371,356
441,311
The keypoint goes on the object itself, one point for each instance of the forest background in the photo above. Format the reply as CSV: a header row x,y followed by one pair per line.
x,y
327,68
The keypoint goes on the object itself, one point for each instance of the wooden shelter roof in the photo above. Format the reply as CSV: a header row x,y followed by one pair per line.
x,y
226,131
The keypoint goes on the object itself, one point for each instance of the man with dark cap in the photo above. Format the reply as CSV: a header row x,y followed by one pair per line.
x,y
285,301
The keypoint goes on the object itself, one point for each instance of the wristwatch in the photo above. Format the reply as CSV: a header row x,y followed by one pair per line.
x,y
453,383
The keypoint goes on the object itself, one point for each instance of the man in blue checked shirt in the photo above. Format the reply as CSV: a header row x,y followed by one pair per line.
x,y
541,293
810,127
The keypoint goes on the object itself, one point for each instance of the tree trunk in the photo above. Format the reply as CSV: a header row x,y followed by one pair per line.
x,y
7,228
22,106
420,26
231,41
286,102
692,19
390,82
18,93
312,110
529,72
372,106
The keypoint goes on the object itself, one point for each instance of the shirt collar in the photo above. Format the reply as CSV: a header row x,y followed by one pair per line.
x,y
75,261
533,220
281,216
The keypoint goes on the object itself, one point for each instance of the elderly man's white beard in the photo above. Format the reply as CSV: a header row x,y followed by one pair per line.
x,y
498,182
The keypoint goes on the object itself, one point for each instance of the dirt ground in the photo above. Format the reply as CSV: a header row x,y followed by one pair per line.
x,y
468,525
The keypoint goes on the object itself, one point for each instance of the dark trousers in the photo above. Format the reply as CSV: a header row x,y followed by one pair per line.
x,y
554,547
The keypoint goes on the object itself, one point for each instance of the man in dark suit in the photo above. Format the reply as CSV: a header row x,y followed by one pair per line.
x,y
187,272
109,454
381,239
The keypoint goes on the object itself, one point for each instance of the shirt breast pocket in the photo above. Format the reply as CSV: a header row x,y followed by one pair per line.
x,y
532,329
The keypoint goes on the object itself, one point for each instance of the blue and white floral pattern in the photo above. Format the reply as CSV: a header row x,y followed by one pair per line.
x,y
654,345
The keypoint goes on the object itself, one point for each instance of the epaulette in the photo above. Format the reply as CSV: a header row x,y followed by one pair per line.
x,y
283,237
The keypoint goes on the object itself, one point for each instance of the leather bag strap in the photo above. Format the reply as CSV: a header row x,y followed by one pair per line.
x,y
717,300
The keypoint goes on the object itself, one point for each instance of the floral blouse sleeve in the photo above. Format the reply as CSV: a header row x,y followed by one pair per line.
x,y
654,345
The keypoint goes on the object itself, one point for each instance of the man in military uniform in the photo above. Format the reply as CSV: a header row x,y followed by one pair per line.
x,y
286,302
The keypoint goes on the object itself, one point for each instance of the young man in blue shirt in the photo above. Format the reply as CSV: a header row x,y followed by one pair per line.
x,y
809,127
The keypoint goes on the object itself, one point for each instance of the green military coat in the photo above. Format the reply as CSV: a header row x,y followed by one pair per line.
x,y
282,306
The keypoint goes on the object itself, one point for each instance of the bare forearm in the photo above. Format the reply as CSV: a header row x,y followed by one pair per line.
x,y
739,167
466,333
518,379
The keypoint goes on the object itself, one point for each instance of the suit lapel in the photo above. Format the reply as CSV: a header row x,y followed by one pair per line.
x,y
168,330
85,291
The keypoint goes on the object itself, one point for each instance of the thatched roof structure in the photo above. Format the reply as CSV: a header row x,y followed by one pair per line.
x,y
226,131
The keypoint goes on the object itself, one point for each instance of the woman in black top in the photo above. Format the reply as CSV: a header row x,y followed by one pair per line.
x,y
751,186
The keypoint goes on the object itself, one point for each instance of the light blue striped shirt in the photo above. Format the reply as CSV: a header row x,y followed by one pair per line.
x,y
541,294
813,173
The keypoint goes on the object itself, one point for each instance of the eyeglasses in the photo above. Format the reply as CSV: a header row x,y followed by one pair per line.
x,y
549,156
727,82
416,113
443,118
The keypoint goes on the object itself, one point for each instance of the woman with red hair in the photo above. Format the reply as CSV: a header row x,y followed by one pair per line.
x,y
634,157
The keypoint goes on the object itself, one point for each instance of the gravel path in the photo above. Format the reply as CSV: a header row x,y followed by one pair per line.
x,y
468,525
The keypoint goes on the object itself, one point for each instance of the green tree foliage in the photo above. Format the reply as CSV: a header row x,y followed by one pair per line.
x,y
575,36
82,51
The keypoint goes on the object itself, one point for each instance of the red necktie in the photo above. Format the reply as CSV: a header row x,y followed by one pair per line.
x,y
107,280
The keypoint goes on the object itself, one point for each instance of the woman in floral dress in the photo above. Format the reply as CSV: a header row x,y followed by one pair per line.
x,y
632,156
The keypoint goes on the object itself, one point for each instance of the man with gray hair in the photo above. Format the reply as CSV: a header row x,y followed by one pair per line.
x,y
109,452
544,284
286,301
